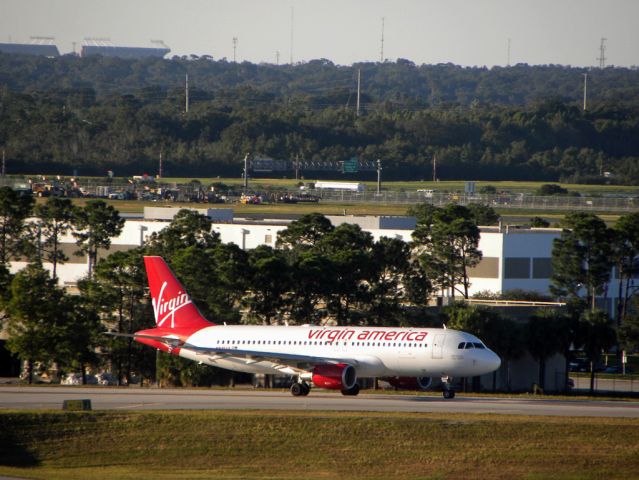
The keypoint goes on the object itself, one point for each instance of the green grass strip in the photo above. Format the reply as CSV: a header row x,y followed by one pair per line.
x,y
213,444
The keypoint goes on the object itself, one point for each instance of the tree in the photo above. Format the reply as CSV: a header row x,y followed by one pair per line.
x,y
348,249
581,257
625,235
629,329
55,219
117,291
597,335
538,222
79,334
305,232
14,209
483,214
543,339
188,228
96,222
34,309
269,282
449,248
392,281
312,278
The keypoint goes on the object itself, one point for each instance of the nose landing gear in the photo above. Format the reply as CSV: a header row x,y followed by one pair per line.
x,y
448,390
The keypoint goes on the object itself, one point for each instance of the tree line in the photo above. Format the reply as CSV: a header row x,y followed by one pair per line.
x,y
71,114
316,273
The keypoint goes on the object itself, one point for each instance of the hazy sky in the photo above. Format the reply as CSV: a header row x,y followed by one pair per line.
x,y
464,32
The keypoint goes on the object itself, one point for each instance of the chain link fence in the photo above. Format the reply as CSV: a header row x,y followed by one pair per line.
x,y
510,200
606,383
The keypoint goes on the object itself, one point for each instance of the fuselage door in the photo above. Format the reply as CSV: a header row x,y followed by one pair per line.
x,y
438,345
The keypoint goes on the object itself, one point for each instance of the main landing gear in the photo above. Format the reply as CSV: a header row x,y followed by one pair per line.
x,y
299,389
448,391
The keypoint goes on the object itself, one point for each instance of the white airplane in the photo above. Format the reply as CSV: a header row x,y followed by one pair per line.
x,y
328,356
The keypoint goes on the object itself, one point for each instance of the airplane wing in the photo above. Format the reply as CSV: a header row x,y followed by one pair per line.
x,y
286,360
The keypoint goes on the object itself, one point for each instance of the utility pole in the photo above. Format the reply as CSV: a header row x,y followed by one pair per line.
x,y
379,176
246,159
186,95
297,166
359,81
381,53
434,168
234,49
4,164
160,167
585,90
277,57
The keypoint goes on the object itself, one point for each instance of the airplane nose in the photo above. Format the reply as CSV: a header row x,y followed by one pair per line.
x,y
494,361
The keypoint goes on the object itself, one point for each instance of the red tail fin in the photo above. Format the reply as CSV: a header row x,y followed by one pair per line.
x,y
172,306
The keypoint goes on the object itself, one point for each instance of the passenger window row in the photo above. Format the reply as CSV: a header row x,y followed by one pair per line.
x,y
325,342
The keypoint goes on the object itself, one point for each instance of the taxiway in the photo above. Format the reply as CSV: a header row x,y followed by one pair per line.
x,y
109,398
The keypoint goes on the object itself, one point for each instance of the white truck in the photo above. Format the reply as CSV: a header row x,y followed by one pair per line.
x,y
347,186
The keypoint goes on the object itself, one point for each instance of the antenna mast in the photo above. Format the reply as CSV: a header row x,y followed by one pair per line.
x,y
381,54
292,23
602,53
234,49
508,57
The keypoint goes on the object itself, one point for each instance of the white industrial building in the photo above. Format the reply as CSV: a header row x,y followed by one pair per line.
x,y
513,258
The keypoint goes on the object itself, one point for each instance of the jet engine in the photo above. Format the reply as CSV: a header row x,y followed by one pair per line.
x,y
410,383
339,376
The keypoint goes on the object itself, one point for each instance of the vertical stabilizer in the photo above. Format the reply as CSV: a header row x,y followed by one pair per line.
x,y
172,306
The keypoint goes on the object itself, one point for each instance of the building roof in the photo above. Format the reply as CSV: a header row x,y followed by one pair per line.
x,y
123,52
30,49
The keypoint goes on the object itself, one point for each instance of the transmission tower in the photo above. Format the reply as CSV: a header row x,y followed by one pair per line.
x,y
292,31
381,54
602,53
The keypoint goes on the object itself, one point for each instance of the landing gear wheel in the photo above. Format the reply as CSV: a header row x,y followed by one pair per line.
x,y
448,394
354,390
306,388
297,389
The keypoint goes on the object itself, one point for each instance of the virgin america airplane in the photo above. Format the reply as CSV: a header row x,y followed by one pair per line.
x,y
326,356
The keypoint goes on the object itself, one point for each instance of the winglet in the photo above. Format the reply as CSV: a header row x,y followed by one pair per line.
x,y
172,306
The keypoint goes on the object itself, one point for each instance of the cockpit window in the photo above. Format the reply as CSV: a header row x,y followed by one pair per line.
x,y
461,345
469,345
479,345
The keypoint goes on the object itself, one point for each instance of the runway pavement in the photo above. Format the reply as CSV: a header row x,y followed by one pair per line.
x,y
109,398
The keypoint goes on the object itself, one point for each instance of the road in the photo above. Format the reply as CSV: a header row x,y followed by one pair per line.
x,y
107,398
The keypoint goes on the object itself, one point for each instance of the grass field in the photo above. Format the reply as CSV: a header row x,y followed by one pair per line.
x,y
209,444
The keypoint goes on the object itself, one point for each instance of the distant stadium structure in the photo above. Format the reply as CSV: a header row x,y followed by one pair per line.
x,y
105,48
42,46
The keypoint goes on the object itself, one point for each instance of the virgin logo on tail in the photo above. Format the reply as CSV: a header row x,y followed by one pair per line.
x,y
169,298
165,308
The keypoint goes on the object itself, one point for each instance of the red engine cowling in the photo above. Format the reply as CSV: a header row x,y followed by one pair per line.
x,y
335,377
410,383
